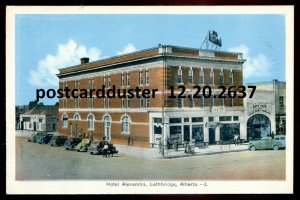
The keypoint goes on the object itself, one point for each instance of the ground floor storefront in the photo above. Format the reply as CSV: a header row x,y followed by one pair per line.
x,y
147,128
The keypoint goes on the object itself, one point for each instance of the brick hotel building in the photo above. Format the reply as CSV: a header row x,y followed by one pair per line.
x,y
139,121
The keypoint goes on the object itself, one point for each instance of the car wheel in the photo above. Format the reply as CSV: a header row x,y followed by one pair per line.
x,y
275,147
252,148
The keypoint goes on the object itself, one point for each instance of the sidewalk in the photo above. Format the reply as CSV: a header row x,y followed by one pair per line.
x,y
26,133
153,153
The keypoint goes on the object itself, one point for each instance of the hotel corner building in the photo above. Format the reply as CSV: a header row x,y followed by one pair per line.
x,y
139,121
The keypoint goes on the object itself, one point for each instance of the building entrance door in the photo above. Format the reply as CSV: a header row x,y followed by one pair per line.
x,y
212,139
186,132
258,126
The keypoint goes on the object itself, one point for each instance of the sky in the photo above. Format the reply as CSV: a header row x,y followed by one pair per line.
x,y
46,43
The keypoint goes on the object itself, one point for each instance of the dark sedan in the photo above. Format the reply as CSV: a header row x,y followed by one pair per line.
x,y
96,147
44,138
57,141
71,143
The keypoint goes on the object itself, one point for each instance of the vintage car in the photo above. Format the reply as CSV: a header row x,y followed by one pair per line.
x,y
33,137
96,147
58,140
44,138
268,143
71,143
83,145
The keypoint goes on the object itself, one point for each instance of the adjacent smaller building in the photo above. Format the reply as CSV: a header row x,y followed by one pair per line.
x,y
20,110
266,111
40,118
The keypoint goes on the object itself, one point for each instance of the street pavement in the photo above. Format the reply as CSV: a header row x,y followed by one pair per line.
x,y
153,153
43,162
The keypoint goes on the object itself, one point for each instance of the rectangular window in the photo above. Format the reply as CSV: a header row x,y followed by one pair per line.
x,y
211,77
123,103
231,102
225,118
281,102
201,81
231,78
221,78
128,79
78,84
141,78
108,81
65,122
212,101
235,118
89,84
180,103
141,103
157,120
175,130
191,76
122,80
104,81
202,102
179,76
197,119
147,103
128,103
147,77
175,120
186,119
221,101
198,133
191,102
211,119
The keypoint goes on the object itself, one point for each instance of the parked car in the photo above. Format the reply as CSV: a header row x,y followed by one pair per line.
x,y
33,137
83,145
44,138
58,140
71,143
268,143
97,146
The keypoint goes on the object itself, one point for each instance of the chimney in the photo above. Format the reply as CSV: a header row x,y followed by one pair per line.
x,y
84,60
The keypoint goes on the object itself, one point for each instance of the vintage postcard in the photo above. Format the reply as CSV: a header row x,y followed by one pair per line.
x,y
149,100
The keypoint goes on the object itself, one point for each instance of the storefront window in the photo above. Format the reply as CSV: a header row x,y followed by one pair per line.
x,y
227,131
175,130
157,130
197,133
225,118
175,120
157,120
197,119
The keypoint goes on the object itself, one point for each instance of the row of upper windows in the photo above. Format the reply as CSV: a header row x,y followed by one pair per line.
x,y
145,103
191,102
125,120
125,103
202,77
144,78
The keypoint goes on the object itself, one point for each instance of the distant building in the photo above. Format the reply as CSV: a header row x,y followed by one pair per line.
x,y
266,111
40,118
20,110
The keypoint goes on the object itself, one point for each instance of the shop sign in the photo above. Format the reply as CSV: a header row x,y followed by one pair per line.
x,y
259,108
212,124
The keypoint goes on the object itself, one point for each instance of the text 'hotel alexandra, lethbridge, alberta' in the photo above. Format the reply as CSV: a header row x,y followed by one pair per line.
x,y
139,121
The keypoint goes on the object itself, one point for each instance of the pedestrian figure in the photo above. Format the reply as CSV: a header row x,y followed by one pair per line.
x,y
235,139
105,150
